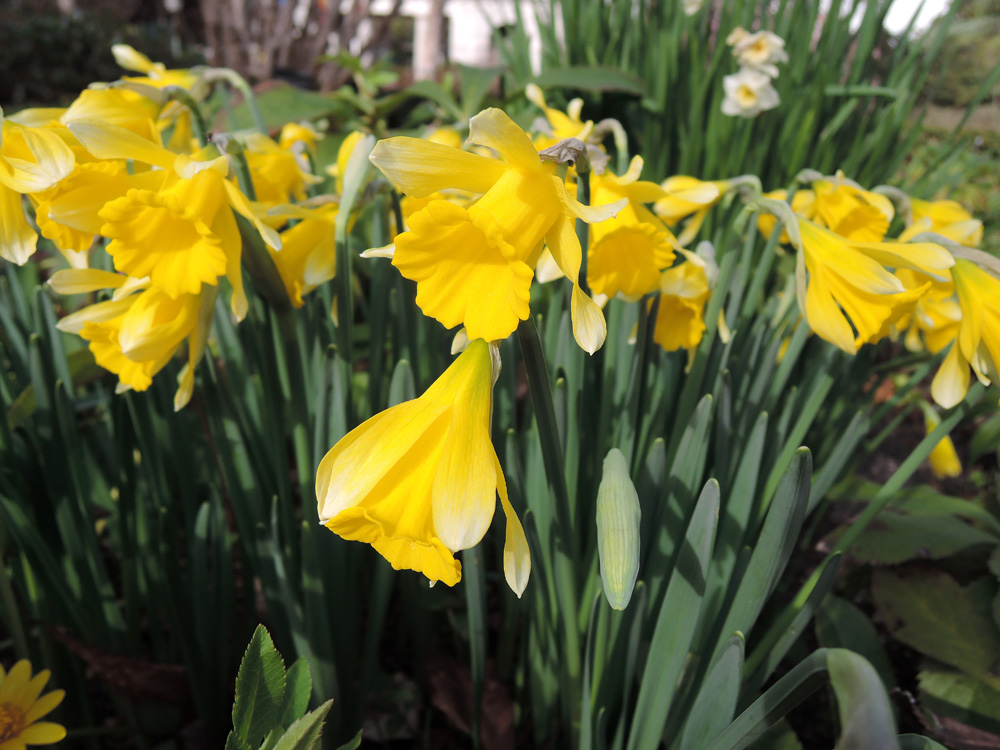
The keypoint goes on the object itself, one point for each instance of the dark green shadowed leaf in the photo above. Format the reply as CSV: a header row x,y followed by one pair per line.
x,y
675,624
716,702
918,742
866,720
839,624
298,689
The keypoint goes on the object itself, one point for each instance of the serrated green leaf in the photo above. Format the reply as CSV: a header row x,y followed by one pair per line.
x,y
298,690
959,696
235,742
927,610
715,705
839,624
866,719
304,733
260,688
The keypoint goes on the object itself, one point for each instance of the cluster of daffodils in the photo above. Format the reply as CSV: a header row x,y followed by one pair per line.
x,y
929,286
155,218
749,91
119,180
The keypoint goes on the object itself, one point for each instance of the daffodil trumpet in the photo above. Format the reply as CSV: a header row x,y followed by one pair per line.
x,y
419,481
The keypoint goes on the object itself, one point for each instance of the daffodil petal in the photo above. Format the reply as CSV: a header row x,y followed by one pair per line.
x,y
516,555
419,168
951,381
84,280
17,239
107,141
494,129
825,317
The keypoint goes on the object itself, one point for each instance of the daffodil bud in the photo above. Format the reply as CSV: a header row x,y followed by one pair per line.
x,y
618,517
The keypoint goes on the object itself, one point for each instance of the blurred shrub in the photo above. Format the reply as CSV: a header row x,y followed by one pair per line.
x,y
47,58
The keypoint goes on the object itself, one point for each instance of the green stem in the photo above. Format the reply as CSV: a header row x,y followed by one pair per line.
x,y
178,94
239,83
565,548
582,228
9,602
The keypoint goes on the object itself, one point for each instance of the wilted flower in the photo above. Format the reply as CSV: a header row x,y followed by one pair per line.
x,y
748,93
419,481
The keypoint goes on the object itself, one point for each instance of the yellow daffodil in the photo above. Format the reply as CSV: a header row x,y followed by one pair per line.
x,y
851,298
339,168
935,319
156,73
182,234
978,339
299,132
277,174
628,252
307,257
32,159
120,107
419,481
947,218
943,459
802,204
688,197
851,211
22,705
134,336
474,266
680,320
561,125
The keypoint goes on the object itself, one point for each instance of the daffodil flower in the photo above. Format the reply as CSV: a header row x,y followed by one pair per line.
x,y
277,174
947,218
307,257
851,298
474,266
849,210
559,125
135,335
936,317
183,233
748,93
156,73
32,159
419,481
680,319
628,251
688,197
943,460
978,340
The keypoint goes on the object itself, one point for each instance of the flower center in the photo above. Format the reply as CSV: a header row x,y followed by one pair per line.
x,y
11,721
746,96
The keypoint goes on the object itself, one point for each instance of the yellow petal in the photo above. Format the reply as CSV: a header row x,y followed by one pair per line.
x,y
466,272
97,313
107,141
84,280
29,694
825,317
419,168
951,381
516,555
925,257
17,239
43,733
242,206
44,705
494,129
464,492
16,681
51,160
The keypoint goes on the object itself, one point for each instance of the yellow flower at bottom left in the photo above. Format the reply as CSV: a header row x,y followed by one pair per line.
x,y
22,705
419,481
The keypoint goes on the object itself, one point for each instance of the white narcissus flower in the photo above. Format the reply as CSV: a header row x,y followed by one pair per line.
x,y
760,50
748,93
692,6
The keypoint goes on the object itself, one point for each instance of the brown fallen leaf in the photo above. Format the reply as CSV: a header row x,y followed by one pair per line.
x,y
133,678
452,694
